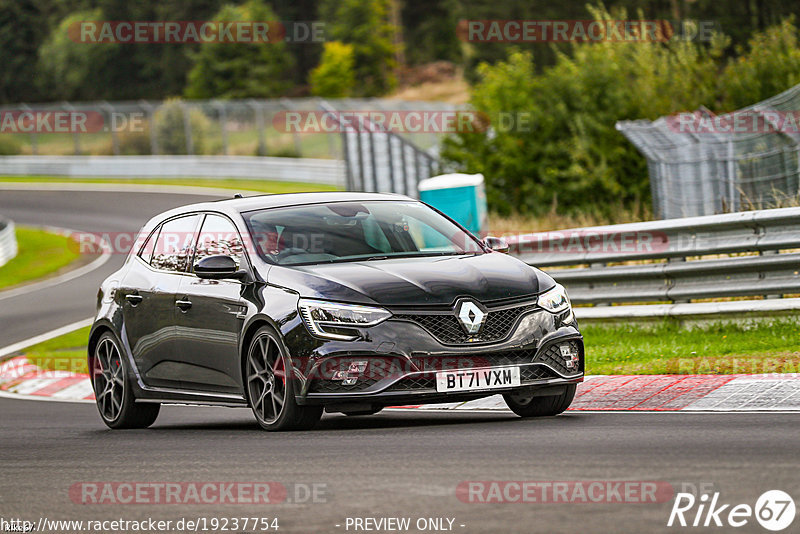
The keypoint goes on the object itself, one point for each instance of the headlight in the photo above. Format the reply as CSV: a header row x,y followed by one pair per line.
x,y
324,318
554,300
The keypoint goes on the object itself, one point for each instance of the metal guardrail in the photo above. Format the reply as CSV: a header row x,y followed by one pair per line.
x,y
321,171
8,241
746,254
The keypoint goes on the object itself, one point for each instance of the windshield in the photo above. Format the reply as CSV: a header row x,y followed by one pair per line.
x,y
355,231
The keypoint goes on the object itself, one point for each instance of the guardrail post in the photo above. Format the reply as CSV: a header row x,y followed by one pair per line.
x,y
114,139
34,146
298,148
761,274
151,121
75,139
187,128
222,114
261,150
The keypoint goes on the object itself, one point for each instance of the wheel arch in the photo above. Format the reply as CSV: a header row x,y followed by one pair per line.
x,y
98,329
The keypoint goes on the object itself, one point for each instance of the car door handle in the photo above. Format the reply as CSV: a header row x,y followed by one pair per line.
x,y
184,305
133,298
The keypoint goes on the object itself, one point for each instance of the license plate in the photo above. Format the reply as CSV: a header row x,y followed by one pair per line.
x,y
474,379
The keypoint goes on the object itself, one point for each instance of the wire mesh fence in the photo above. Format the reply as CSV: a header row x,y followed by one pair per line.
x,y
194,127
702,164
377,157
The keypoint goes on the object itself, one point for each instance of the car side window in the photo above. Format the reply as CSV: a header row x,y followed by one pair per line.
x,y
218,235
146,252
173,249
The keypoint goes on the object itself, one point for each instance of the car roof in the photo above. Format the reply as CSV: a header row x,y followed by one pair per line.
x,y
239,205
297,199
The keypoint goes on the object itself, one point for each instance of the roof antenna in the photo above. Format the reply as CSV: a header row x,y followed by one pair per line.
x,y
238,195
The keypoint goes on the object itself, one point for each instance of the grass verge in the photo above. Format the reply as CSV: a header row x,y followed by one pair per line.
x,y
262,186
63,353
40,254
766,346
669,347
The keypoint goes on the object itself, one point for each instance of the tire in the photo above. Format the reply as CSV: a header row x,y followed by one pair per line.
x,y
269,392
113,391
530,406
372,411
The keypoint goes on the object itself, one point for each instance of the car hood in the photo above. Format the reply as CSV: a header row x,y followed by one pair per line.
x,y
415,281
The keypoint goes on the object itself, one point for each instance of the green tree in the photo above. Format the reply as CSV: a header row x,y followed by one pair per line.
x,y
365,25
21,32
241,70
334,76
73,70
429,30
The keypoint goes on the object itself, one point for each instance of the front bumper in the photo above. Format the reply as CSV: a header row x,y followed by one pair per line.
x,y
396,362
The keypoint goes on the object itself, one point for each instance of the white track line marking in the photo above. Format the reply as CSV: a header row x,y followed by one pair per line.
x,y
10,349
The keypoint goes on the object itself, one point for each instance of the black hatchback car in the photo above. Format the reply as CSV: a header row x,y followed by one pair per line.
x,y
345,302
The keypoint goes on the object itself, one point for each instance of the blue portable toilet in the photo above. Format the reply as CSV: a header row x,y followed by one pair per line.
x,y
460,196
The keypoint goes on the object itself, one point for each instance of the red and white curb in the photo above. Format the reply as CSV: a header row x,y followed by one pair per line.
x,y
19,377
659,393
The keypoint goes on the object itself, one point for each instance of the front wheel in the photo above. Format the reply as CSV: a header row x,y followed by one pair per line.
x,y
525,404
113,394
270,389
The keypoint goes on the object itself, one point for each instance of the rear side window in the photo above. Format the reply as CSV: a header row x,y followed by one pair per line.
x,y
173,248
146,252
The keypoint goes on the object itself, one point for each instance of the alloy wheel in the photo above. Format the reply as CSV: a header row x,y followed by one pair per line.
x,y
266,378
108,379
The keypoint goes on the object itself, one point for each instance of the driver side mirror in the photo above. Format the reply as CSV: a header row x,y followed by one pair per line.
x,y
498,244
219,267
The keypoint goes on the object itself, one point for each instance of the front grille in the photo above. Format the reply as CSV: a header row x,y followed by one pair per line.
x,y
377,369
551,355
448,330
413,383
535,372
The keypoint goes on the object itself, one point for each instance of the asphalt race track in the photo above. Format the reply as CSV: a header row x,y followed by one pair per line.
x,y
394,464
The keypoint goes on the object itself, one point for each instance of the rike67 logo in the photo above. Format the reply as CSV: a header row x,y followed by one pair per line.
x,y
774,510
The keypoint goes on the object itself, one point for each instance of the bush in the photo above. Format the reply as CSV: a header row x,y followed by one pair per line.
x,y
135,143
171,132
9,146
770,66
334,76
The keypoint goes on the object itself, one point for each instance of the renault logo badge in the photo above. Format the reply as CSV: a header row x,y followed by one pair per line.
x,y
471,315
